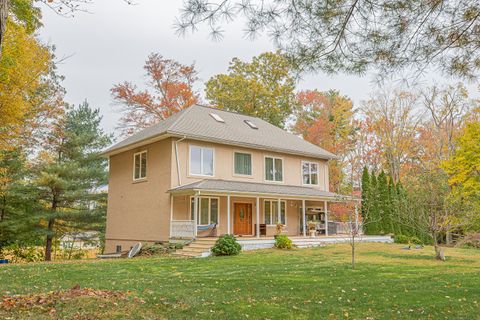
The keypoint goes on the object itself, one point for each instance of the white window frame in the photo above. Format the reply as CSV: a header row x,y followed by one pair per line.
x,y
310,173
201,161
265,169
272,213
251,164
209,209
146,162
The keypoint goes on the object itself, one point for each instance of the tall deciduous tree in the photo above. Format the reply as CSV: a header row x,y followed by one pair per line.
x,y
446,109
170,89
395,121
70,174
24,72
263,88
326,119
464,172
354,35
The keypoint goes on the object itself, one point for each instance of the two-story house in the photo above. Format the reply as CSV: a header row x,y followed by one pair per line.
x,y
204,167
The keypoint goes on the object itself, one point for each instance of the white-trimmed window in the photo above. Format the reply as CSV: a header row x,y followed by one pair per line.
x,y
201,161
207,210
273,169
309,173
140,165
271,215
242,163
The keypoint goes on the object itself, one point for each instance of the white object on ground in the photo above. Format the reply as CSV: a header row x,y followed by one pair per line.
x,y
135,250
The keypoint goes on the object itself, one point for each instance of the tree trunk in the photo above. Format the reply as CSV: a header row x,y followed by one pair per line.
x,y
4,205
4,4
448,238
439,253
48,244
353,253
51,224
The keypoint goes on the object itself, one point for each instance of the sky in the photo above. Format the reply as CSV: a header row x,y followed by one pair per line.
x,y
110,43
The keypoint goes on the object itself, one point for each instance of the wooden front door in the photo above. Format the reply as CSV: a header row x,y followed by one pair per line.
x,y
242,222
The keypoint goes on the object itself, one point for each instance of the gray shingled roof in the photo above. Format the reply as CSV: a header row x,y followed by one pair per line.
x,y
196,123
254,188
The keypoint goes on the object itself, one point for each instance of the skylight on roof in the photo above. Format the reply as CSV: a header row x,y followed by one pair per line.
x,y
251,124
217,117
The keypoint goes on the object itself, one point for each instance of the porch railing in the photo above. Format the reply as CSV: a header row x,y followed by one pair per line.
x,y
182,229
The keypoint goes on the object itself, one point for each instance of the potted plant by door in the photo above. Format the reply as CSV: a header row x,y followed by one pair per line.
x,y
312,225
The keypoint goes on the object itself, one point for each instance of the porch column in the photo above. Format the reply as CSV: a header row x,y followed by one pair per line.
x,y
258,218
304,214
171,214
279,209
229,227
325,206
195,215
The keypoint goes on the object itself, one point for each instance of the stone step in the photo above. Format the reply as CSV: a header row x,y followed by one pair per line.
x,y
187,254
192,249
199,247
205,240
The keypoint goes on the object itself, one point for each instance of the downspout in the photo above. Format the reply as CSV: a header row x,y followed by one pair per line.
x,y
178,160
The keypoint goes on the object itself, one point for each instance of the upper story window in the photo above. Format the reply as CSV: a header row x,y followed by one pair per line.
x,y
140,165
242,163
271,214
201,161
273,169
310,173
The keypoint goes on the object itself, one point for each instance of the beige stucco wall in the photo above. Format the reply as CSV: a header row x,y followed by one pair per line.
x,y
223,165
139,210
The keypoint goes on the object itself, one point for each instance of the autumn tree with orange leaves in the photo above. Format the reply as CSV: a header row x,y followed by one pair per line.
x,y
169,89
326,120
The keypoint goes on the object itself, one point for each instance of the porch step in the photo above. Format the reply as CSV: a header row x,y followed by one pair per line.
x,y
198,248
181,253
206,246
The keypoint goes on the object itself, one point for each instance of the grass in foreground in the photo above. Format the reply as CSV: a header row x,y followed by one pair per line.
x,y
389,283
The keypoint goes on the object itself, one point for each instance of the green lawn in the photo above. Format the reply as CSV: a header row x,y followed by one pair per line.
x,y
389,283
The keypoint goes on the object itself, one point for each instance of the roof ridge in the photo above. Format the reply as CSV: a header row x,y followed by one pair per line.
x,y
234,112
180,116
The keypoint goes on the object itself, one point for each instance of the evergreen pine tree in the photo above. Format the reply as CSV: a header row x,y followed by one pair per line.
x,y
70,175
17,201
383,203
374,225
365,200
392,208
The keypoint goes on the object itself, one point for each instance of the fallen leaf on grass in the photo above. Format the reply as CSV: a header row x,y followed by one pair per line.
x,y
48,301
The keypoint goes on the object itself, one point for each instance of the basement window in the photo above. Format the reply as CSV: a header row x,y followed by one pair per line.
x,y
251,124
217,117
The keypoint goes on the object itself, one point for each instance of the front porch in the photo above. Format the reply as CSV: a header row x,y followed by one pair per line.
x,y
255,213
202,246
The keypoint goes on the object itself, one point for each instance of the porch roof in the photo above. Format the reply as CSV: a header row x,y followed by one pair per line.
x,y
255,188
